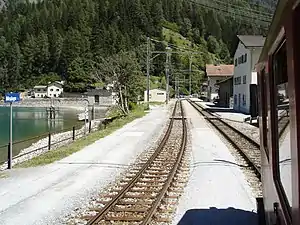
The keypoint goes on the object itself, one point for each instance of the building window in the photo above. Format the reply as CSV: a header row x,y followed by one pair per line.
x,y
235,99
57,89
38,89
244,79
51,89
160,93
244,99
237,80
245,58
235,62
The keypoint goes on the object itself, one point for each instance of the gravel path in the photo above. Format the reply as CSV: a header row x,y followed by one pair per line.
x,y
45,195
217,191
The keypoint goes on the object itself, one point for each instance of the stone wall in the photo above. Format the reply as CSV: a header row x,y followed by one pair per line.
x,y
57,102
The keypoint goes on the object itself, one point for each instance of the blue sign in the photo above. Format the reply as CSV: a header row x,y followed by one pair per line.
x,y
12,97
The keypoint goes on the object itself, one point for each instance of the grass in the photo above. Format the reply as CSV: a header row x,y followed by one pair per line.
x,y
3,175
177,37
62,152
156,103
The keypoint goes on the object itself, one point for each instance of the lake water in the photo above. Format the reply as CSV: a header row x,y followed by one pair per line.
x,y
30,122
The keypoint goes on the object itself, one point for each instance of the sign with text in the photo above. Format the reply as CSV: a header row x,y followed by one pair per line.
x,y
12,97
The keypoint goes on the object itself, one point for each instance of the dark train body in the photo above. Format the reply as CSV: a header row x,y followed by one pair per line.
x,y
279,115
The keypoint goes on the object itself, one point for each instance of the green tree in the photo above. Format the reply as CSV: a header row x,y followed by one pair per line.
x,y
14,66
213,45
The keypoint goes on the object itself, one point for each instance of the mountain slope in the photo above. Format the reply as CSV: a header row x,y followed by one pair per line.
x,y
70,38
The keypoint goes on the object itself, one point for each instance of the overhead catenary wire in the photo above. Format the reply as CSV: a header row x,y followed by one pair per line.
x,y
227,3
250,18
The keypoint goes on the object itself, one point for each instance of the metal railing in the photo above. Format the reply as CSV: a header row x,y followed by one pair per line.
x,y
75,131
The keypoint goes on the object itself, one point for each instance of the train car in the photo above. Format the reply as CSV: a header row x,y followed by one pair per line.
x,y
278,83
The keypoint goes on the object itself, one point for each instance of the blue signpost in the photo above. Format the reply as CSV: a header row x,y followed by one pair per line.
x,y
10,98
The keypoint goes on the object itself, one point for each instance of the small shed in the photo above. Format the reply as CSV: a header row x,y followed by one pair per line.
x,y
156,95
225,92
99,97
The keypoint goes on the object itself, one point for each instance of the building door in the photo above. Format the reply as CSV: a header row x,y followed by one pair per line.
x,y
239,103
96,98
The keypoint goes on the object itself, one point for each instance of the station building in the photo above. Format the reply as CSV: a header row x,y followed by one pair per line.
x,y
245,76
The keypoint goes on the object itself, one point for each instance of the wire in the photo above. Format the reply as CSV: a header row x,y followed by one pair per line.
x,y
226,4
246,18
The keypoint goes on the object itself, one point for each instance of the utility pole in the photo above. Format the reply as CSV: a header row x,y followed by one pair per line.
x,y
190,73
167,74
177,86
148,71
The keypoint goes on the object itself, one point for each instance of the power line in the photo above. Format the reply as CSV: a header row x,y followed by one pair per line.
x,y
243,9
231,13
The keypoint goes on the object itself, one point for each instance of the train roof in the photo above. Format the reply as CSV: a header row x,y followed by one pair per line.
x,y
275,28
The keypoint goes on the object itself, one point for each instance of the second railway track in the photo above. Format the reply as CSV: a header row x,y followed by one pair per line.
x,y
149,192
247,147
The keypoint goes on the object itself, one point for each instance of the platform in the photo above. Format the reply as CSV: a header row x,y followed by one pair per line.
x,y
217,192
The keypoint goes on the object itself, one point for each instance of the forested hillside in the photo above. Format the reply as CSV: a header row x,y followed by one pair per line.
x,y
90,42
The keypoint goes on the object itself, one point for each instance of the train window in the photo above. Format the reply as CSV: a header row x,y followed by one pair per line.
x,y
283,155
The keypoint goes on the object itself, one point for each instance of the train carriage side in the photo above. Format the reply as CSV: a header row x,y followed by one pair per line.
x,y
279,113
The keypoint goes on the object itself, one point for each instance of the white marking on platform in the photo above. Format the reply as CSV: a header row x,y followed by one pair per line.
x,y
133,134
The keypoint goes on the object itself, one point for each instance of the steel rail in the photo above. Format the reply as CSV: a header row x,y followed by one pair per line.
x,y
101,213
214,120
172,173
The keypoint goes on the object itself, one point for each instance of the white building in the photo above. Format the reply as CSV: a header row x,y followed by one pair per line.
x,y
245,59
215,74
52,90
156,95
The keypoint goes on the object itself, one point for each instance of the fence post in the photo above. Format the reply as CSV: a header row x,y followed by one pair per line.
x,y
49,141
90,126
9,161
73,137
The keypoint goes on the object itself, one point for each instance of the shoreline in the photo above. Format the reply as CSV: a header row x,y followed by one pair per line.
x,y
57,140
73,107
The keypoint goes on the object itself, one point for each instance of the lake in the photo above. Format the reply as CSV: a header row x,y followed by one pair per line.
x,y
30,122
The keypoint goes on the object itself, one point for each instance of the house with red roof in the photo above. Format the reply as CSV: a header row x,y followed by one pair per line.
x,y
215,74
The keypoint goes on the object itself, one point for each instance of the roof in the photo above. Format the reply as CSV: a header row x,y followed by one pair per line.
x,y
219,70
158,89
252,40
100,92
55,83
39,86
223,81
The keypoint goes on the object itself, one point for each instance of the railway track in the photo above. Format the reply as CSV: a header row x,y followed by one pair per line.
x,y
283,122
247,147
149,192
